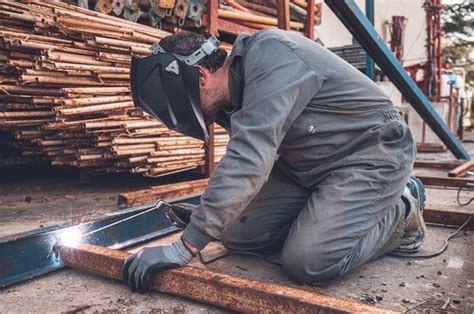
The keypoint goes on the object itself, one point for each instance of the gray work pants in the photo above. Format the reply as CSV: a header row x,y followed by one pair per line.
x,y
352,214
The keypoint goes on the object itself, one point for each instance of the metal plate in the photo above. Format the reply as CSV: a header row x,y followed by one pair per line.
x,y
30,254
181,9
117,6
195,10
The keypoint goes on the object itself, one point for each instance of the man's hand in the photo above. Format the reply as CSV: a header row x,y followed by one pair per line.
x,y
139,268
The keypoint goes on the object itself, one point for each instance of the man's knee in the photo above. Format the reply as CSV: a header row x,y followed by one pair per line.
x,y
240,237
312,268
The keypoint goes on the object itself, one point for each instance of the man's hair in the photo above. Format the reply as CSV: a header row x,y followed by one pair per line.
x,y
185,43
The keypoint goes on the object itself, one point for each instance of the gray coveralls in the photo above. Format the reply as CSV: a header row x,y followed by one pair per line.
x,y
316,163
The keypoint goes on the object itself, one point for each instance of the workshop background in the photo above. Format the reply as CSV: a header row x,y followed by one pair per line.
x,y
75,153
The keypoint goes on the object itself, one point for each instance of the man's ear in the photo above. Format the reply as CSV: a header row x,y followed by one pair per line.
x,y
203,75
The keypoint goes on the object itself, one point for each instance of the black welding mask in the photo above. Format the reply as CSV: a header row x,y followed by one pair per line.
x,y
166,86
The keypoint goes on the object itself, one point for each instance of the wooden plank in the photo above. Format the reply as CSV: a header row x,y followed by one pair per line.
x,y
203,285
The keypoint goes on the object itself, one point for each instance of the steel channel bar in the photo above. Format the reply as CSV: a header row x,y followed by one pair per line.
x,y
29,254
357,23
447,182
448,216
434,164
462,170
203,285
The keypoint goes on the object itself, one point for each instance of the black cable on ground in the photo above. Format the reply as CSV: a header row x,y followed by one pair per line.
x,y
436,253
459,201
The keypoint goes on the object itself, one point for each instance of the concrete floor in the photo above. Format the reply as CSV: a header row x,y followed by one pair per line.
x,y
37,197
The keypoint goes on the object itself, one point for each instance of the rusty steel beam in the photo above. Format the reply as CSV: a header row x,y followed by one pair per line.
x,y
283,14
309,27
448,216
218,289
434,164
212,19
446,182
462,170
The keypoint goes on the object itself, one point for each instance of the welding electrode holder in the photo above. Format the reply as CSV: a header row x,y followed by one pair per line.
x,y
179,214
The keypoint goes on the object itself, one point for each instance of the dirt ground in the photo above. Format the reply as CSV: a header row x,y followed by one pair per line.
x,y
39,196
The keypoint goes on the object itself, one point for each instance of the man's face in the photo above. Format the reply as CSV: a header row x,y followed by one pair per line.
x,y
214,91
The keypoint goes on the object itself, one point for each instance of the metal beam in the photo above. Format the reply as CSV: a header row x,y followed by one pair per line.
x,y
462,170
436,164
28,255
309,25
448,216
283,14
361,28
369,62
203,285
446,182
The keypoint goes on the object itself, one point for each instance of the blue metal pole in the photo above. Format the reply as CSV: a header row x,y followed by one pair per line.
x,y
369,64
357,23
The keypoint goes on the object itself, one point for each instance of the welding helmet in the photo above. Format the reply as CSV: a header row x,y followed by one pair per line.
x,y
166,86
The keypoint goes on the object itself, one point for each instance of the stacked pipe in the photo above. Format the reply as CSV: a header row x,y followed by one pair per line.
x,y
167,15
64,94
259,14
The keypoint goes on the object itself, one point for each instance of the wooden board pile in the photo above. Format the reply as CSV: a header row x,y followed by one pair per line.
x,y
64,94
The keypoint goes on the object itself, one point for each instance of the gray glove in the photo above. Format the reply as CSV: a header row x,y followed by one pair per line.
x,y
139,268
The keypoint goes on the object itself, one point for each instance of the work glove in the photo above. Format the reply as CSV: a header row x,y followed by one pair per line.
x,y
180,214
139,268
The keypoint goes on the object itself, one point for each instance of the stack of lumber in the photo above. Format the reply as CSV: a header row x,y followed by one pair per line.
x,y
65,95
166,192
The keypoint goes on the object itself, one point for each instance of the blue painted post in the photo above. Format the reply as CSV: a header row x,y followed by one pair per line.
x,y
369,64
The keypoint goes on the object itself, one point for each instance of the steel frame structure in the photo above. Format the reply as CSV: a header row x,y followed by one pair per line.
x,y
357,23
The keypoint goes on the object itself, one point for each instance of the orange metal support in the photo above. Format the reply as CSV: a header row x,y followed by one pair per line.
x,y
283,14
203,285
212,22
309,31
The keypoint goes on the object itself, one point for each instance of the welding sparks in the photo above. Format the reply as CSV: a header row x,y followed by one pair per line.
x,y
70,237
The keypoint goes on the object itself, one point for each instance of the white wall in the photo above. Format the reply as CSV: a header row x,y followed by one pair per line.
x,y
333,33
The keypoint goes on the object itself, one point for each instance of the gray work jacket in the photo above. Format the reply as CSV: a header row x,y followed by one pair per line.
x,y
294,101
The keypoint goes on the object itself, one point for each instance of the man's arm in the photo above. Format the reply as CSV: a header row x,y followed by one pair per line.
x,y
278,86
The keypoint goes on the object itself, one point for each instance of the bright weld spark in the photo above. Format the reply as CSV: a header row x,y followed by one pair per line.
x,y
70,237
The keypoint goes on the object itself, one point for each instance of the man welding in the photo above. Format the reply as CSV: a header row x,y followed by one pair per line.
x,y
318,162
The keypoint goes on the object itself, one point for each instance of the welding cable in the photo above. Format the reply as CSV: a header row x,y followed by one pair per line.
x,y
436,253
459,201
233,253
